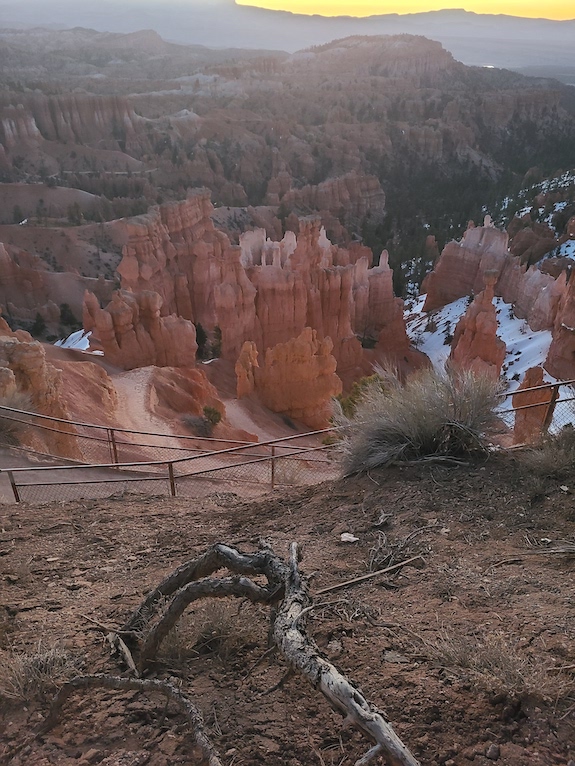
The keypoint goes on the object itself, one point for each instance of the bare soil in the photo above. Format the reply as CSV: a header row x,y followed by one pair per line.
x,y
470,652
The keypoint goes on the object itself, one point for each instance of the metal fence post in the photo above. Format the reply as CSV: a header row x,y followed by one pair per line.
x,y
551,408
273,466
172,479
113,446
14,487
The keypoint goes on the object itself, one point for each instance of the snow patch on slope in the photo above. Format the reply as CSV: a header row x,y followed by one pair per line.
x,y
432,333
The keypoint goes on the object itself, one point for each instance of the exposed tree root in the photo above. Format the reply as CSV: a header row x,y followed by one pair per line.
x,y
283,582
287,594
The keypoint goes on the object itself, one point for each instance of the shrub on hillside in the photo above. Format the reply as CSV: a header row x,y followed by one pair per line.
x,y
435,414
203,426
553,456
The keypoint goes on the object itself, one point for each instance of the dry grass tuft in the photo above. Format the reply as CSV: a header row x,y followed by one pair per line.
x,y
494,664
554,456
25,676
434,415
214,627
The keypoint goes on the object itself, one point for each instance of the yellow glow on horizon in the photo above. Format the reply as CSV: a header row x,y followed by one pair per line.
x,y
554,9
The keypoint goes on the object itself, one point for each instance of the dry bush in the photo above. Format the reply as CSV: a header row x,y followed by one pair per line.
x,y
214,627
25,676
11,424
494,664
553,456
198,425
435,414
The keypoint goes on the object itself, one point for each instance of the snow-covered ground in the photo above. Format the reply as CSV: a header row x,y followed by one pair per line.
x,y
432,333
79,340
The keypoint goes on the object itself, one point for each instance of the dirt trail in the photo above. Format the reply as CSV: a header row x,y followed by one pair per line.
x,y
133,389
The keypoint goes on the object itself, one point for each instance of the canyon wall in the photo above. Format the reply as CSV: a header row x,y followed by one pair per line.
x,y
546,302
263,291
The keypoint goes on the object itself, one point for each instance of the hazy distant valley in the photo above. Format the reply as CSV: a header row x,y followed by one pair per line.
x,y
423,141
208,256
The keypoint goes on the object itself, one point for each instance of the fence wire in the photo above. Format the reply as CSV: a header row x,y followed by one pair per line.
x,y
89,461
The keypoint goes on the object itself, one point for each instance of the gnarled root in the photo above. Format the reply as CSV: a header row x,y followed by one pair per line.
x,y
191,581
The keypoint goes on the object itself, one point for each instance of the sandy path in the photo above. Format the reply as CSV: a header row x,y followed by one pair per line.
x,y
133,412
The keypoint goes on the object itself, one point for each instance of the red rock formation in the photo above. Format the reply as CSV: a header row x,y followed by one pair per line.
x,y
529,422
560,360
32,375
532,243
475,343
132,333
182,391
78,118
298,379
460,268
262,291
458,272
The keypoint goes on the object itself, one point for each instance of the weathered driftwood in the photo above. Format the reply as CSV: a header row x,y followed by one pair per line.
x,y
240,587
303,654
192,713
217,557
285,585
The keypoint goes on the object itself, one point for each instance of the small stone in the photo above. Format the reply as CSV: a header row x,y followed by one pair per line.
x,y
91,756
492,752
335,648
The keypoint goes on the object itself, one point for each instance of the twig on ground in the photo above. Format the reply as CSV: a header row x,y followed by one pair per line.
x,y
369,576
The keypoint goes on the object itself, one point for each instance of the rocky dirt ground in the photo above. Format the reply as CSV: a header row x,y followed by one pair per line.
x,y
470,651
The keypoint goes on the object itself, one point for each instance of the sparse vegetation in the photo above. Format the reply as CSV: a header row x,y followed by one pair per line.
x,y
359,388
434,415
212,415
213,628
496,665
554,454
202,425
25,676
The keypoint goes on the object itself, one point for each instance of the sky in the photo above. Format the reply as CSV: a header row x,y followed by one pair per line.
x,y
552,9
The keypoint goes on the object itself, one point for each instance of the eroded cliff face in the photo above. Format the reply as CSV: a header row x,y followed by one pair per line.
x,y
131,332
24,369
545,301
475,344
296,378
263,291
560,360
78,118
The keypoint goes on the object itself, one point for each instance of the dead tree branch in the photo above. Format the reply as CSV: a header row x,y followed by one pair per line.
x,y
191,581
303,654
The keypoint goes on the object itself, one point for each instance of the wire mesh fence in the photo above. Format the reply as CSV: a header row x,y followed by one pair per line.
x,y
295,460
92,444
530,413
89,461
